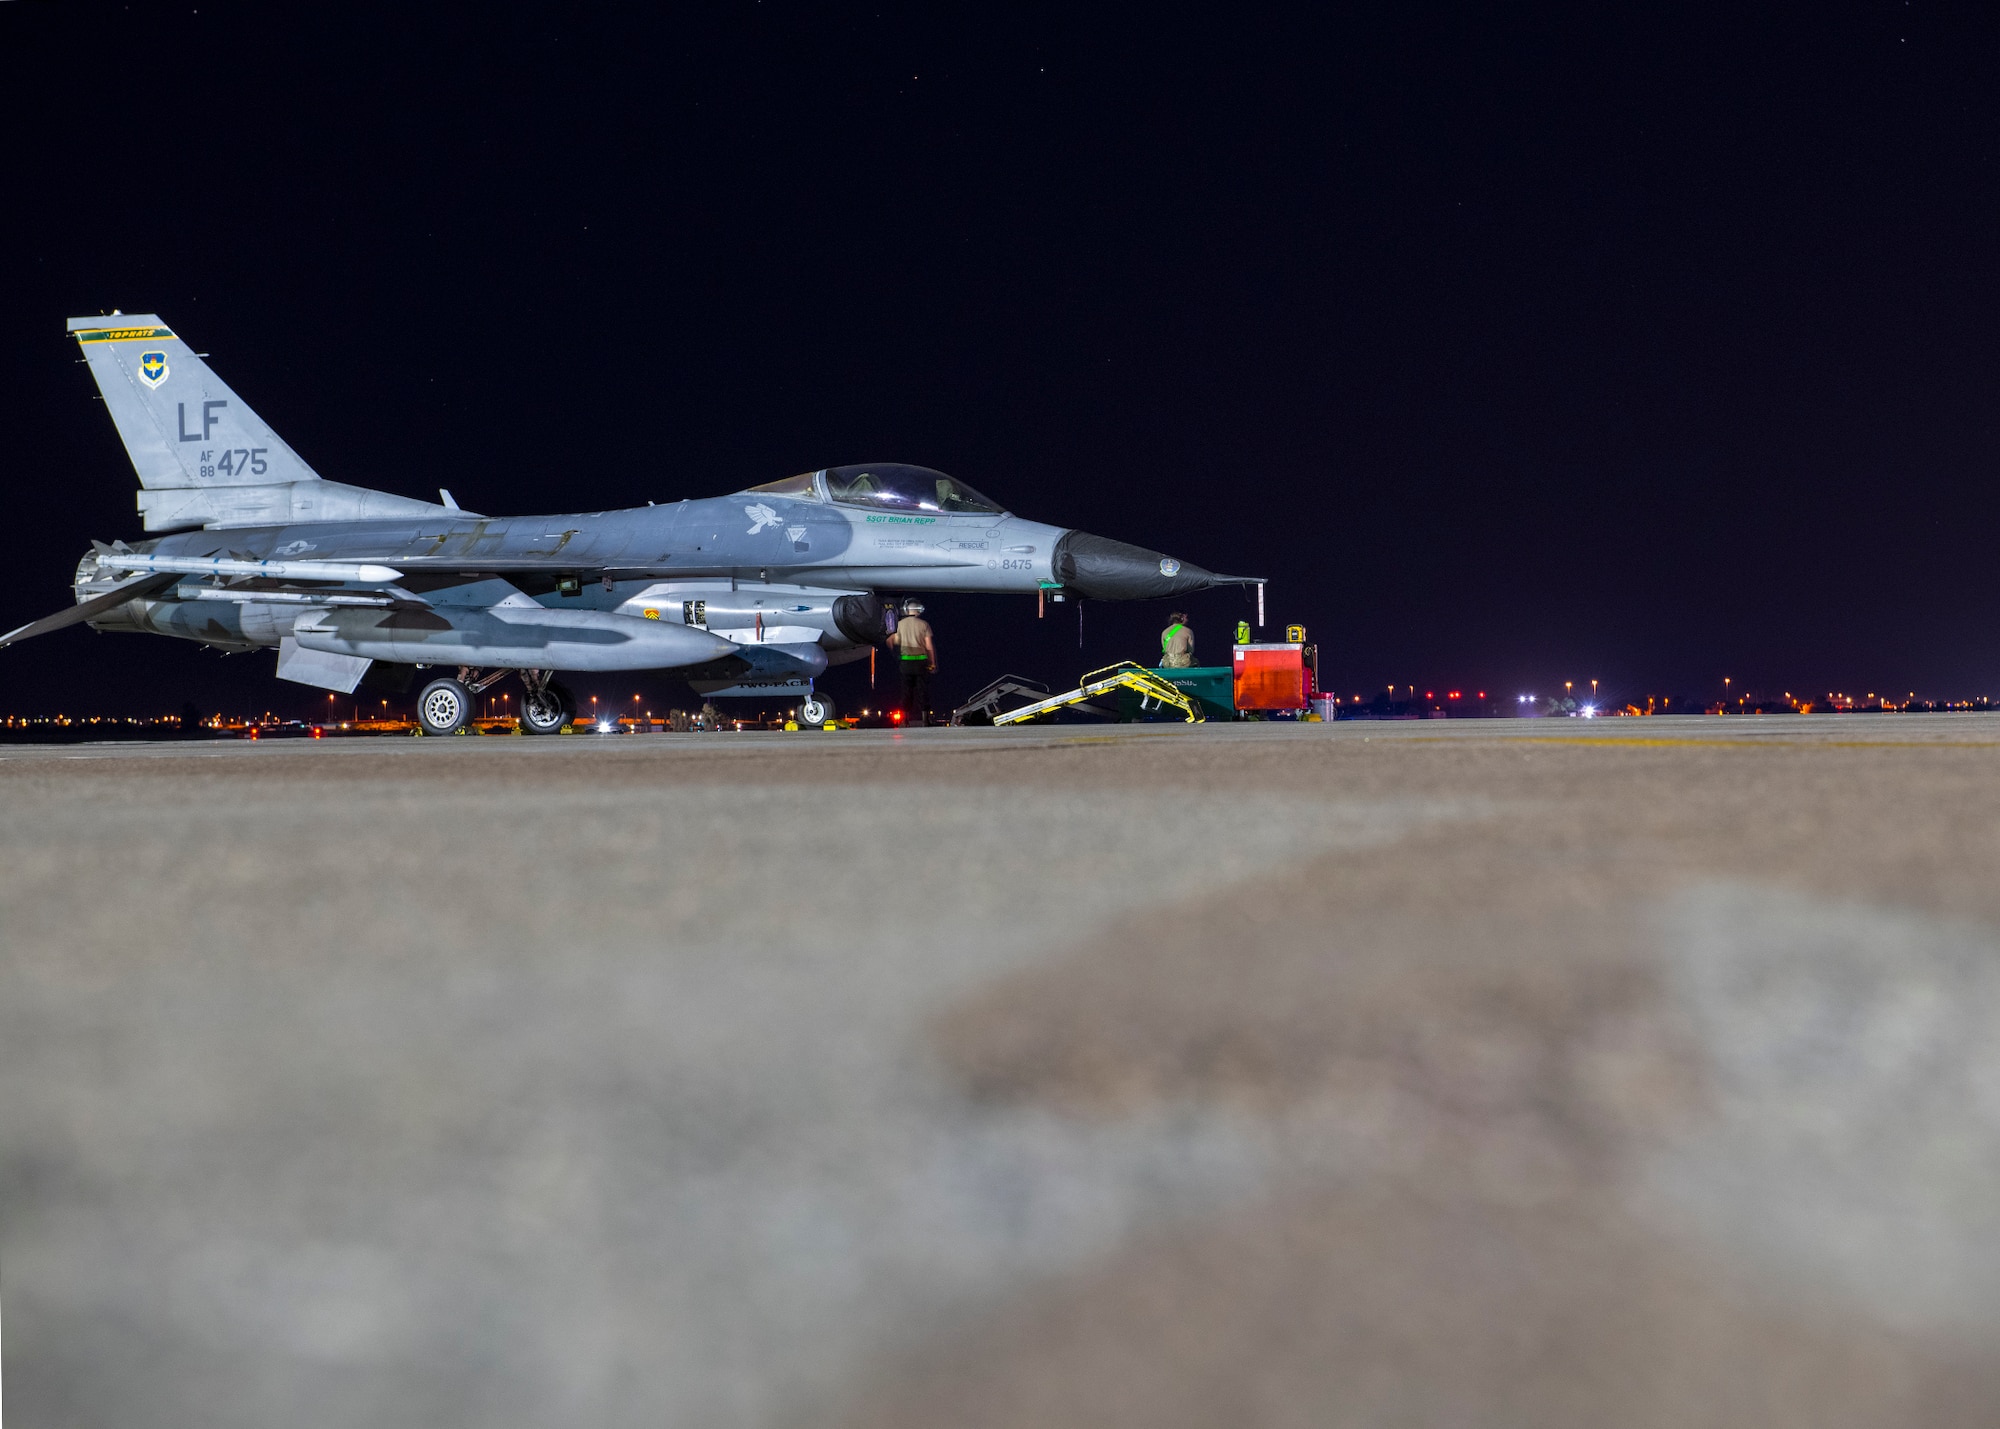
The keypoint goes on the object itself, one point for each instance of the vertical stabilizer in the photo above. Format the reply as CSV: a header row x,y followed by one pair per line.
x,y
203,457
181,424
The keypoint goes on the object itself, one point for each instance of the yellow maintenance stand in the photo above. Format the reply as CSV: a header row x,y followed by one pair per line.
x,y
1124,675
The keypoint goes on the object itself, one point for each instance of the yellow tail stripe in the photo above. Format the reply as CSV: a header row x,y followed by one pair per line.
x,y
123,334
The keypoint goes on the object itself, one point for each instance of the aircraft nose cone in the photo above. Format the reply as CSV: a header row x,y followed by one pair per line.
x,y
1102,569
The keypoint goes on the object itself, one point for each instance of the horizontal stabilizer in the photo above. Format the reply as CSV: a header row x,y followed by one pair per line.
x,y
89,609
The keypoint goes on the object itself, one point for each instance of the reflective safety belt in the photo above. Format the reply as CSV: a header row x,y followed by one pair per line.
x,y
1167,639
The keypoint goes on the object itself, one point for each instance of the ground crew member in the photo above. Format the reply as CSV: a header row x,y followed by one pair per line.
x,y
917,648
1177,643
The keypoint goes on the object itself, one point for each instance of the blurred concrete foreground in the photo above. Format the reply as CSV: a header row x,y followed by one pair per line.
x,y
1534,1074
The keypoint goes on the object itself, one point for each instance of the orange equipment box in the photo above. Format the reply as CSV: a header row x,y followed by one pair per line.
x,y
1272,677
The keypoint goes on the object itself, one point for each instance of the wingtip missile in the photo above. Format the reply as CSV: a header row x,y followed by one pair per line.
x,y
357,573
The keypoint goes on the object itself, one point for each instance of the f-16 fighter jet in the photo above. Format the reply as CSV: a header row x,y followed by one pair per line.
x,y
751,594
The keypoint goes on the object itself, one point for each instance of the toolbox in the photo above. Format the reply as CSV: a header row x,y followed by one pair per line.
x,y
1272,677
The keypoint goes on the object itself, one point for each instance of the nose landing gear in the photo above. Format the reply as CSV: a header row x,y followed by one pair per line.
x,y
816,710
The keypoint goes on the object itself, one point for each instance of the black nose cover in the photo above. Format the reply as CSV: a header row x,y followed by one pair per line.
x,y
1111,570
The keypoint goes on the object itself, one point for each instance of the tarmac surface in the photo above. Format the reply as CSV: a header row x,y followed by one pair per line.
x,y
1538,1073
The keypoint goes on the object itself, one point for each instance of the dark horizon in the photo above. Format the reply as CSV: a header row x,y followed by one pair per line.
x,y
1512,347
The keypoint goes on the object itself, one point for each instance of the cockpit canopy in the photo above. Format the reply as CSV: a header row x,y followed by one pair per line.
x,y
887,486
896,487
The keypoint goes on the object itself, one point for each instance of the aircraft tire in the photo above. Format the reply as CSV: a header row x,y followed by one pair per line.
x,y
563,693
444,707
543,712
817,709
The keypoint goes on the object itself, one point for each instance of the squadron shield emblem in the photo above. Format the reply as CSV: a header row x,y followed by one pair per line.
x,y
152,368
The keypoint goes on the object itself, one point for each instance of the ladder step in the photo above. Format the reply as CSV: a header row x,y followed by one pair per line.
x,y
1125,673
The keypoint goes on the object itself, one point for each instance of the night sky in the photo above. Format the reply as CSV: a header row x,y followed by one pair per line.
x,y
1514,344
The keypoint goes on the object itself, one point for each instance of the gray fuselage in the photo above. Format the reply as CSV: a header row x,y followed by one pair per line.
x,y
757,568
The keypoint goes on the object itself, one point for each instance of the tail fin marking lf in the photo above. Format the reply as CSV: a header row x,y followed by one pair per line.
x,y
203,457
181,424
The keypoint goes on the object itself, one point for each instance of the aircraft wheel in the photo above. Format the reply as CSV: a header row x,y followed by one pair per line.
x,y
562,693
542,712
817,709
444,707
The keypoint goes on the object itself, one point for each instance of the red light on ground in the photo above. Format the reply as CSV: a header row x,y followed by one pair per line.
x,y
1454,694
896,717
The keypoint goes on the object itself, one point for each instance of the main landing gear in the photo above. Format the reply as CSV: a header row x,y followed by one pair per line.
x,y
547,705
446,704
